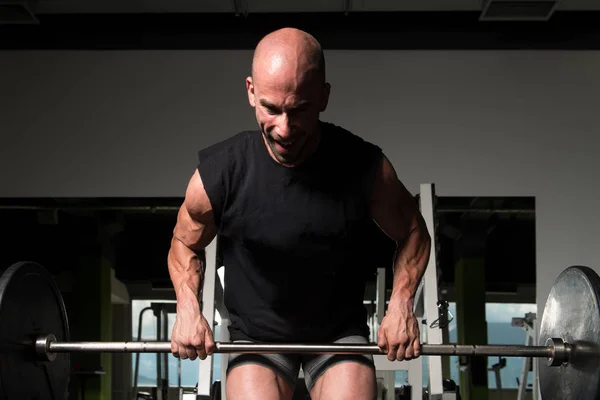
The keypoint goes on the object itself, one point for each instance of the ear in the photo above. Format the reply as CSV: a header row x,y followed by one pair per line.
x,y
325,96
250,89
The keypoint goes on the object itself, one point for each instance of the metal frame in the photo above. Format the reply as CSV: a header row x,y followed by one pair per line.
x,y
388,375
530,324
434,335
161,311
224,332
208,310
387,369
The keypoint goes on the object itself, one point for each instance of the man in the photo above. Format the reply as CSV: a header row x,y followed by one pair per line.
x,y
293,203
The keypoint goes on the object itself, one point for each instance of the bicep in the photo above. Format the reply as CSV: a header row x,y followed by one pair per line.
x,y
392,206
195,226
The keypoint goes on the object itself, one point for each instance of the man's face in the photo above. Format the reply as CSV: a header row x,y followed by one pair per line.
x,y
287,111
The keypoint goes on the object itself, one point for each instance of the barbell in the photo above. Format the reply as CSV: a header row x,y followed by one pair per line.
x,y
35,347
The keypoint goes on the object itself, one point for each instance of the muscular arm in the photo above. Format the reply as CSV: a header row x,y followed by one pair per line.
x,y
193,231
397,214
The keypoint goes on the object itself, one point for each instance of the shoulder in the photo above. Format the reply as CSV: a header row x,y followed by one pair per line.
x,y
219,163
235,143
343,136
348,148
220,166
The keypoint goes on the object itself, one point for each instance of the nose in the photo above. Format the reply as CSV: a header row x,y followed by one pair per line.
x,y
284,126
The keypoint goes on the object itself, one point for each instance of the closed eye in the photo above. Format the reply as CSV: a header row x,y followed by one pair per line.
x,y
274,110
269,107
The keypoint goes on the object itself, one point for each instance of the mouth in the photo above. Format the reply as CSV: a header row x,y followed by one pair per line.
x,y
286,145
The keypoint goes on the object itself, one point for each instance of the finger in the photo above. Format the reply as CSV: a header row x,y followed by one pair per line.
x,y
182,353
392,352
210,348
381,341
417,347
191,352
409,353
400,353
386,345
200,350
209,343
196,346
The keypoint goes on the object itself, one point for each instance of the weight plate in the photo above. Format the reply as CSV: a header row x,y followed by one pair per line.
x,y
572,313
31,305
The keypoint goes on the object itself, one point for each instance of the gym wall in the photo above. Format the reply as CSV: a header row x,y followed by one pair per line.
x,y
475,123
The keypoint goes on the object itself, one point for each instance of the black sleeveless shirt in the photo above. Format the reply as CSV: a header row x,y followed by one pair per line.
x,y
294,241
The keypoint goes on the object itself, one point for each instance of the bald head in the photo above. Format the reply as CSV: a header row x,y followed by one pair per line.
x,y
288,91
289,53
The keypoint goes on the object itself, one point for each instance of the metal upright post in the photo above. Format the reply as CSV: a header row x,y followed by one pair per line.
x,y
137,355
224,331
165,336
208,310
434,333
158,315
529,324
224,337
536,376
388,368
389,376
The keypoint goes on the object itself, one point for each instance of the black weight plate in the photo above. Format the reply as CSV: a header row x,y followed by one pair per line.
x,y
31,305
572,313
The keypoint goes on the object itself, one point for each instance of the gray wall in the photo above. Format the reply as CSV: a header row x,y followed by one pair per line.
x,y
479,123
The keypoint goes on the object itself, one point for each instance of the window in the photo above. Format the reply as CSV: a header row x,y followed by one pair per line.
x,y
148,361
499,331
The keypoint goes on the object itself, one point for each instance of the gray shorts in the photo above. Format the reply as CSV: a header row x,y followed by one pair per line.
x,y
313,365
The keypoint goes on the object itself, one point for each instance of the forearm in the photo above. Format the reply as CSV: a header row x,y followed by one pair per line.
x,y
186,269
410,263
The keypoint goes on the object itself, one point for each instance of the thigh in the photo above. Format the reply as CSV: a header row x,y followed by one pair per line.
x,y
341,376
261,376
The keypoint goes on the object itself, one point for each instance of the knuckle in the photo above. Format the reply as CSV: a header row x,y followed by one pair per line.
x,y
196,340
184,340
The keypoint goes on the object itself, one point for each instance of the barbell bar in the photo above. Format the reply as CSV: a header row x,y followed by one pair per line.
x,y
556,352
35,344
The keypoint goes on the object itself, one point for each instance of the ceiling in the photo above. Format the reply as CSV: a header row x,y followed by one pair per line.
x,y
338,24
271,6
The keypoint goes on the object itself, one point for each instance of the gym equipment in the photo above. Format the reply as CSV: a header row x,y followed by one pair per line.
x,y
571,313
31,304
35,339
161,311
529,366
556,351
